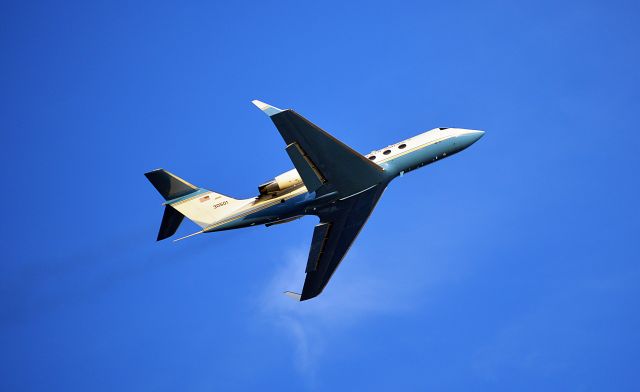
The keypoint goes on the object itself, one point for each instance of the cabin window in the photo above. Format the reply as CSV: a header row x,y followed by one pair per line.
x,y
387,152
402,146
372,157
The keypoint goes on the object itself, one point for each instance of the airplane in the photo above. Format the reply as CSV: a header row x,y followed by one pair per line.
x,y
330,180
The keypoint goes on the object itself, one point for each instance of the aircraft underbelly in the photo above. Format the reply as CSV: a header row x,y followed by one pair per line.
x,y
283,210
421,157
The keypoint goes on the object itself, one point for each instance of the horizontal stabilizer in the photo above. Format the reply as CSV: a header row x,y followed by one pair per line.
x,y
170,222
169,185
292,295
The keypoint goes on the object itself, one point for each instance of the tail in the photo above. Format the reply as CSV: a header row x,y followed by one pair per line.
x,y
200,205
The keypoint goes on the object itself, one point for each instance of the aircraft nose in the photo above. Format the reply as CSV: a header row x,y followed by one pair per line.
x,y
474,134
467,137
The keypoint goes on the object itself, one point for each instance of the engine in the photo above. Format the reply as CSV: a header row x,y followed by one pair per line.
x,y
281,182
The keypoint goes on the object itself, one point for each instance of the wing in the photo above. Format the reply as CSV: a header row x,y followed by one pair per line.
x,y
339,226
324,163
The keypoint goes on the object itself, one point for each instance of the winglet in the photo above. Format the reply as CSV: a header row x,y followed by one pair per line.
x,y
266,108
292,295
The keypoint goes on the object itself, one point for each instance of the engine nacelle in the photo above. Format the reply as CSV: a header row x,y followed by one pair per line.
x,y
281,182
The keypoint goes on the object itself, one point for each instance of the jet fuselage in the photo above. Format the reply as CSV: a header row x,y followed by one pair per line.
x,y
395,160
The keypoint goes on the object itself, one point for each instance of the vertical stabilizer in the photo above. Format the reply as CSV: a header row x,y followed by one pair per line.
x,y
201,206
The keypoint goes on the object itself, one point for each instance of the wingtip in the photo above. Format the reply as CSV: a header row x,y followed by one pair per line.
x,y
266,108
293,296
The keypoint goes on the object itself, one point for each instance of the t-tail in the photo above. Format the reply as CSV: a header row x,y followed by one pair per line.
x,y
184,199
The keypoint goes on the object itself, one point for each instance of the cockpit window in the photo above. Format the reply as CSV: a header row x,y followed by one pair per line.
x,y
442,129
402,146
387,152
372,157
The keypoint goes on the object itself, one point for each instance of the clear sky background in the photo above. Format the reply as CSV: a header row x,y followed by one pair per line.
x,y
511,266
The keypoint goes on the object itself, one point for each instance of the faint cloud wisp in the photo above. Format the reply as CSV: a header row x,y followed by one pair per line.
x,y
366,288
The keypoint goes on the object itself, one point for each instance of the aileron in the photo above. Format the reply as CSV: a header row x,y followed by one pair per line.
x,y
318,245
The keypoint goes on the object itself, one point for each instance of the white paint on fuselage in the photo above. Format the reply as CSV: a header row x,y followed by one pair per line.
x,y
414,143
379,157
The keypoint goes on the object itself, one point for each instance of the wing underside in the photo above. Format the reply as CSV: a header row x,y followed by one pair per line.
x,y
326,166
324,162
339,226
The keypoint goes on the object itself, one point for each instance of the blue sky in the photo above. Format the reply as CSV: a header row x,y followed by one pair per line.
x,y
511,266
